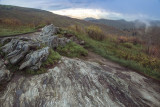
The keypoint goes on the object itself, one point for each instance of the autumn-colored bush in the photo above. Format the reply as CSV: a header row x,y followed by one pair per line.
x,y
135,40
122,39
154,51
130,39
11,22
77,28
95,32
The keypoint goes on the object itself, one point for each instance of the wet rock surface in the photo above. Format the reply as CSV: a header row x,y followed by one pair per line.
x,y
79,83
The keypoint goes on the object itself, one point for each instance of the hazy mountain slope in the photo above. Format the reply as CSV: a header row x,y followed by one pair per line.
x,y
36,16
119,24
123,24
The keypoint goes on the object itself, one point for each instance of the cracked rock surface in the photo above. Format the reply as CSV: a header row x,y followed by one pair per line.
x,y
79,83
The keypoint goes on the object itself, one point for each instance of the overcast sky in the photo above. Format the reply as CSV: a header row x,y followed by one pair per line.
x,y
109,9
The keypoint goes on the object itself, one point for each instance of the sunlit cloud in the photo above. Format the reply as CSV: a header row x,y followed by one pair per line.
x,y
82,13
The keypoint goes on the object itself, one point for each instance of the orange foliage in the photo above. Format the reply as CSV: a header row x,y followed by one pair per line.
x,y
154,51
134,40
122,39
12,22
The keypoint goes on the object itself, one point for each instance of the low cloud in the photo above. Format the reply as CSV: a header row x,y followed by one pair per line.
x,y
82,13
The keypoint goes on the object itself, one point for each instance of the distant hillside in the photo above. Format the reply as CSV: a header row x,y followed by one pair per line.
x,y
123,24
37,16
30,15
119,24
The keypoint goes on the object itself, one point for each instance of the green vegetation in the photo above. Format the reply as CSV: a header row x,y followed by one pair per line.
x,y
72,50
126,53
53,58
5,30
128,45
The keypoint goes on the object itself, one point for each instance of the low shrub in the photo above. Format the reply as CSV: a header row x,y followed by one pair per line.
x,y
134,40
95,33
77,28
128,45
122,39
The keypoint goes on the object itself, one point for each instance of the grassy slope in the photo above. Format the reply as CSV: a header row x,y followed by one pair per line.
x,y
41,17
5,30
126,54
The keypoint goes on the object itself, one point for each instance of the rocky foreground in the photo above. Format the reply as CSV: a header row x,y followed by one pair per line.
x,y
74,82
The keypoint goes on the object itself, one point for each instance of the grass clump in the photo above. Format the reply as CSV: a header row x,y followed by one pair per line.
x,y
95,33
128,45
72,49
53,58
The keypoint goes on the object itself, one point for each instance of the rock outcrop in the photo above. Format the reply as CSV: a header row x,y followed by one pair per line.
x,y
34,59
17,49
78,83
5,74
49,30
49,37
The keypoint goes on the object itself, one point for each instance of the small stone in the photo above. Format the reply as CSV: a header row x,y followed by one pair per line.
x,y
6,62
82,43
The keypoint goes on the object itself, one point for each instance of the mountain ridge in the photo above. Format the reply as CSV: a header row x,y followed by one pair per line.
x,y
123,24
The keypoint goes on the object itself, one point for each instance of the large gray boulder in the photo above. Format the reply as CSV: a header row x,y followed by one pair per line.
x,y
5,74
54,41
49,38
34,59
78,83
49,30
